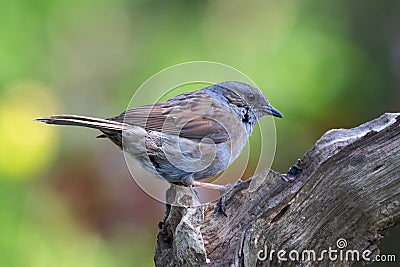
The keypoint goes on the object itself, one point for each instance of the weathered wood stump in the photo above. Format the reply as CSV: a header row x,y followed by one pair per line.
x,y
345,189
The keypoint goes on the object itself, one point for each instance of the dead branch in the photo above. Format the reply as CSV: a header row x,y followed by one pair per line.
x,y
346,187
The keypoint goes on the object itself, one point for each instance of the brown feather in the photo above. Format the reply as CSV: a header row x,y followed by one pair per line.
x,y
195,118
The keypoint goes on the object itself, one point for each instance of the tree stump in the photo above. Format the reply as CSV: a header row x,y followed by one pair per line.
x,y
345,189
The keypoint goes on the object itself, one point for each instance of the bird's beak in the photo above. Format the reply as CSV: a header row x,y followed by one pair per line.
x,y
273,111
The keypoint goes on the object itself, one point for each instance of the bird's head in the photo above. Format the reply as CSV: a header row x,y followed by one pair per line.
x,y
244,95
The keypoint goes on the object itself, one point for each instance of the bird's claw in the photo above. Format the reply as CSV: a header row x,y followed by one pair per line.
x,y
221,205
223,189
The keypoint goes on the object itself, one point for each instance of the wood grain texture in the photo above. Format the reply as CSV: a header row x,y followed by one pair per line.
x,y
347,186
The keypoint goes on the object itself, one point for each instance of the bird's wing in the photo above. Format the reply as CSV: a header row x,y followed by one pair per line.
x,y
193,116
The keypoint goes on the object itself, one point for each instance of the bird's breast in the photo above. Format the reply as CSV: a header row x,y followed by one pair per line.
x,y
174,157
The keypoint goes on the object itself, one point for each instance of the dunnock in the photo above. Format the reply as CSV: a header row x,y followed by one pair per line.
x,y
190,137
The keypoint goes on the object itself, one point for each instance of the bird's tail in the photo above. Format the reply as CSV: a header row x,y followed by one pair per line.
x,y
100,124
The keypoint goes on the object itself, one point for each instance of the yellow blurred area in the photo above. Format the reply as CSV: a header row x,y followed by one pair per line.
x,y
26,146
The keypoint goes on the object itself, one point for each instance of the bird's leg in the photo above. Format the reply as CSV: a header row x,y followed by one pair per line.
x,y
222,190
188,181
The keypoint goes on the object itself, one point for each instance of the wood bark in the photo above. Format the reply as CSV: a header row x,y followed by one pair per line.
x,y
346,188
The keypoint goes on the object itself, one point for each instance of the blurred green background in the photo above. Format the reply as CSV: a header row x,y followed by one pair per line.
x,y
67,199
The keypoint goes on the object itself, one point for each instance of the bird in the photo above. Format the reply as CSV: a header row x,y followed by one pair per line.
x,y
188,138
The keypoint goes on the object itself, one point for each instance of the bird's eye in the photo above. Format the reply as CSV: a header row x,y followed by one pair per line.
x,y
251,97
